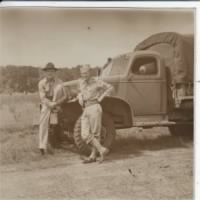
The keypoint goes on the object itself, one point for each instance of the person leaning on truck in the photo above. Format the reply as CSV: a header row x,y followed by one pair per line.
x,y
92,92
50,90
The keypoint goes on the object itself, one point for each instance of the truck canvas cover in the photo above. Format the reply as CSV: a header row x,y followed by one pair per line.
x,y
177,50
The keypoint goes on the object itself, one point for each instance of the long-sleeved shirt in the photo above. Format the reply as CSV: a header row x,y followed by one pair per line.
x,y
93,89
47,89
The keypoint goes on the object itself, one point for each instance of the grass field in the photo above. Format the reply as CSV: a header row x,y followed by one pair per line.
x,y
18,111
18,138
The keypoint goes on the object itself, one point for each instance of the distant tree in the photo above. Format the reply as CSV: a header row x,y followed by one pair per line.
x,y
25,78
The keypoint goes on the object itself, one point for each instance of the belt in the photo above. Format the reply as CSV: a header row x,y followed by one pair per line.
x,y
90,103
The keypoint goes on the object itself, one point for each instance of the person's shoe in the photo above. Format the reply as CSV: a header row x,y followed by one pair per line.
x,y
50,149
89,160
82,157
103,153
42,151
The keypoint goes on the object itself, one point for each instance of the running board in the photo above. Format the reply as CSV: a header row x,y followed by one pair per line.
x,y
158,123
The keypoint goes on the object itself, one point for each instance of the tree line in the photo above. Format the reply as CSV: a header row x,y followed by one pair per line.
x,y
25,78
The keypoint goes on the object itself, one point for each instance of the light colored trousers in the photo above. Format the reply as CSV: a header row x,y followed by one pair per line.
x,y
45,118
91,123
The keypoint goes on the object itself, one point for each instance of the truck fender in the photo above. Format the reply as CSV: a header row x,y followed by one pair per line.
x,y
119,110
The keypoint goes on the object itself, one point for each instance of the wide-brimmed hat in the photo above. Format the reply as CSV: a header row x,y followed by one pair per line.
x,y
49,66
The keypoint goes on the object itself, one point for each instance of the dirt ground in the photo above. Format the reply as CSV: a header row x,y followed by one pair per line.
x,y
148,164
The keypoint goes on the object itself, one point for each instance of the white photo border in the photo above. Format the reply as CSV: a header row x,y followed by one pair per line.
x,y
145,4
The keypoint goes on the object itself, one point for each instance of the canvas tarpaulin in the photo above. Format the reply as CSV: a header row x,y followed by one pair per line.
x,y
177,50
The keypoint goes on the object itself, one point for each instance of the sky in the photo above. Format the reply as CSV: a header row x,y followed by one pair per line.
x,y
69,37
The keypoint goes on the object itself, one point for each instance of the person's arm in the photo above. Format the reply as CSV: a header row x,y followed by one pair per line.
x,y
64,94
107,90
42,95
80,99
80,94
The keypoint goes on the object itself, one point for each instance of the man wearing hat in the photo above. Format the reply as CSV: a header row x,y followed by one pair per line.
x,y
92,92
51,95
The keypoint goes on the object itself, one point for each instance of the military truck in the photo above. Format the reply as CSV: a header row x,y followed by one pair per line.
x,y
153,86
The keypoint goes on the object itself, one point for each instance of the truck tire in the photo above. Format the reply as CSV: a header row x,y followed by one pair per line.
x,y
107,135
185,131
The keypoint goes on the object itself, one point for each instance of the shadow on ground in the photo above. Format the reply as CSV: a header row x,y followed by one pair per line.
x,y
136,144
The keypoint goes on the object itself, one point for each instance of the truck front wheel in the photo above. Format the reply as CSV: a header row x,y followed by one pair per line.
x,y
182,130
107,134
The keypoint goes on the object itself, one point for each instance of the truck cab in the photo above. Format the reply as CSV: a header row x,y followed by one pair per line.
x,y
142,83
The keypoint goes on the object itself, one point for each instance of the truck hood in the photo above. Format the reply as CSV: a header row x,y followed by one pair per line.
x,y
112,79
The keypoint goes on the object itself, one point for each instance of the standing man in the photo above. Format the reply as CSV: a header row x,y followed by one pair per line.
x,y
92,92
51,95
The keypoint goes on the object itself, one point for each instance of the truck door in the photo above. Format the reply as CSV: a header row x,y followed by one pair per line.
x,y
146,86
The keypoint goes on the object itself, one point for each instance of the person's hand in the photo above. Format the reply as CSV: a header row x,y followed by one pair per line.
x,y
73,100
99,99
80,100
52,104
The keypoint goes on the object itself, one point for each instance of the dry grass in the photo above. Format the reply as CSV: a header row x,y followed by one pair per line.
x,y
18,111
19,146
18,114
19,141
137,141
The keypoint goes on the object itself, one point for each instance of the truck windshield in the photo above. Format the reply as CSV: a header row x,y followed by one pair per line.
x,y
117,66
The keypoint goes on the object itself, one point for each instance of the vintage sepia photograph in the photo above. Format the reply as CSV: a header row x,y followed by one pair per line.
x,y
96,103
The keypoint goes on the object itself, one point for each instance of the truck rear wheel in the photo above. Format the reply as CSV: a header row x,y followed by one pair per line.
x,y
182,130
107,135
